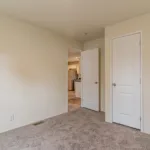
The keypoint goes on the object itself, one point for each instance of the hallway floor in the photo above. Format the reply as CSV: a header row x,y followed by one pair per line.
x,y
73,102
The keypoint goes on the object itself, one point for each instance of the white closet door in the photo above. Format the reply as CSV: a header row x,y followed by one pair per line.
x,y
126,80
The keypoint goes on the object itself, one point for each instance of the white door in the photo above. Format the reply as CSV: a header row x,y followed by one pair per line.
x,y
90,79
126,80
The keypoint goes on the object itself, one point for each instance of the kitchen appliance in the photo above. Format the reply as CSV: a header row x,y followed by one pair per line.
x,y
72,75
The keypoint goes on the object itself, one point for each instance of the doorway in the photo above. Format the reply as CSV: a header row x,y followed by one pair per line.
x,y
74,80
84,79
126,86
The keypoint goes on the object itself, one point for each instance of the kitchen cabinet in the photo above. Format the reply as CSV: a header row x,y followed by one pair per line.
x,y
78,89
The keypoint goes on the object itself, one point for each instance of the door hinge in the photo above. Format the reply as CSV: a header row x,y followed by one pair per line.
x,y
140,119
140,80
140,42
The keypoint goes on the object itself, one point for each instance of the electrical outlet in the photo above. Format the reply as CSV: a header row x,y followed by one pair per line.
x,y
12,117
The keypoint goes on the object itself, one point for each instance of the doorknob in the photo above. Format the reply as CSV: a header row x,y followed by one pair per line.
x,y
96,82
114,84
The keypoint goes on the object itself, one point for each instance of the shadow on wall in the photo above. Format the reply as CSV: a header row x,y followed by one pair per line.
x,y
32,87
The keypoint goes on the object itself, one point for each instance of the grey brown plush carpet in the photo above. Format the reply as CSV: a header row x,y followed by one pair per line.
x,y
78,130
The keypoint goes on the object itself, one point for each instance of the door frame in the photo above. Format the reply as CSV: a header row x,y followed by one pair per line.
x,y
111,76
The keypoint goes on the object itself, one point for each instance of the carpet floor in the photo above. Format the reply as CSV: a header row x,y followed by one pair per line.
x,y
78,130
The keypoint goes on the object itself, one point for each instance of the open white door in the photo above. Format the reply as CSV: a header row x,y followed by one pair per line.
x,y
126,80
90,79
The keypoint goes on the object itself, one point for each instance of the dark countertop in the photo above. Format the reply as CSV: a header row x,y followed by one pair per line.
x,y
77,80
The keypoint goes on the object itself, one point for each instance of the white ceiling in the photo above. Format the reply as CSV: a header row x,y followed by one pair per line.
x,y
73,18
74,55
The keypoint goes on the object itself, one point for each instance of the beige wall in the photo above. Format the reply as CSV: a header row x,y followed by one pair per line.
x,y
99,43
141,23
33,73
